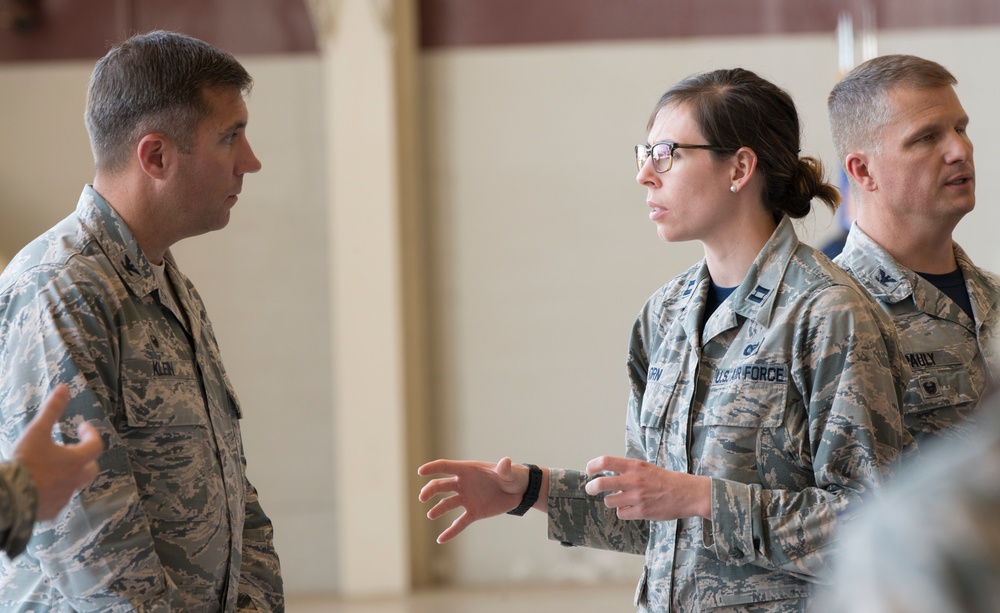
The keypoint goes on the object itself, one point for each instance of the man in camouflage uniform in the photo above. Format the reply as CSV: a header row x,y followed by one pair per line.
x,y
98,303
900,133
43,475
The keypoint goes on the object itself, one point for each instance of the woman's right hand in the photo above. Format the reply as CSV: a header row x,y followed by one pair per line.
x,y
482,489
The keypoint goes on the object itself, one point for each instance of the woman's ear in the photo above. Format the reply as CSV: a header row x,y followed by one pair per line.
x,y
743,167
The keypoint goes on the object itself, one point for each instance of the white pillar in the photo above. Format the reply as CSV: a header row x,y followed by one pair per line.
x,y
370,477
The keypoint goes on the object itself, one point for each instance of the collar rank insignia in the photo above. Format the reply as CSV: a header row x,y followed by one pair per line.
x,y
129,266
758,294
885,278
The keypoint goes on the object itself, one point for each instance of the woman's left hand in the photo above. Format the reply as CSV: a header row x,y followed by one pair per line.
x,y
641,490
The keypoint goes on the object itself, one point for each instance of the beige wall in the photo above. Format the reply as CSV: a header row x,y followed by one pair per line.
x,y
540,256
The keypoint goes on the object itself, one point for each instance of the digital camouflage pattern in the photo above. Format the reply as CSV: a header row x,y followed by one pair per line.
x,y
171,522
18,501
932,544
788,400
953,359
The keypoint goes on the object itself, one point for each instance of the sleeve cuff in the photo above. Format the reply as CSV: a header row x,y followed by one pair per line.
x,y
20,499
730,531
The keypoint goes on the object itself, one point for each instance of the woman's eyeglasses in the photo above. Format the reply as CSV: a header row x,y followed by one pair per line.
x,y
662,154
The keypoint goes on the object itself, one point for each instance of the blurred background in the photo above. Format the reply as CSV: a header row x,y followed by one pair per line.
x,y
446,247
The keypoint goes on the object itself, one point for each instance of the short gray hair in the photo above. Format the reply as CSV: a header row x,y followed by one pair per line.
x,y
858,106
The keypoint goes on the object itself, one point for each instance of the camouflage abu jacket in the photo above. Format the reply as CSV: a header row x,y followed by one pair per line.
x,y
787,400
171,522
18,499
952,358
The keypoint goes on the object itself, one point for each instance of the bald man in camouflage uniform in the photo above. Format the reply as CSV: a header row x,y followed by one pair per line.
x,y
901,135
171,522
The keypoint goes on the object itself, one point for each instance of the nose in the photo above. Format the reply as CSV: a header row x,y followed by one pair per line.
x,y
647,176
250,163
959,148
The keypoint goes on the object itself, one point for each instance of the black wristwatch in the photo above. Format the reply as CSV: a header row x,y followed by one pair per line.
x,y
530,494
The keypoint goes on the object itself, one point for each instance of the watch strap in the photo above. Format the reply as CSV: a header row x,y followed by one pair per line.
x,y
530,494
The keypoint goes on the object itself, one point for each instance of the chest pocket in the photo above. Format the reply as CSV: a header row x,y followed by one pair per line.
x,y
757,408
155,403
750,396
170,445
945,384
661,391
733,432
663,416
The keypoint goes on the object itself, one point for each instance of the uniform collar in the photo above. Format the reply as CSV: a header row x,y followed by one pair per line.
x,y
877,271
116,241
754,298
984,289
891,282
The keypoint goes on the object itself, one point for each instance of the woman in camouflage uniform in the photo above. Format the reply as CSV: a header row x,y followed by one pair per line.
x,y
765,383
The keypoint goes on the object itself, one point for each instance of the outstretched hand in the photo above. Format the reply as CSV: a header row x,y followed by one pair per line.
x,y
641,490
482,489
58,470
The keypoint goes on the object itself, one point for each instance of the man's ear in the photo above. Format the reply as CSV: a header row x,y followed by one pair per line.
x,y
744,165
153,154
856,165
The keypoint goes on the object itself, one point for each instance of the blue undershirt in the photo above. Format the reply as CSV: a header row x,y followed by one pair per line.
x,y
952,285
716,296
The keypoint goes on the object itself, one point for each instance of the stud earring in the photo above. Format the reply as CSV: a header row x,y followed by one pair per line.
x,y
732,188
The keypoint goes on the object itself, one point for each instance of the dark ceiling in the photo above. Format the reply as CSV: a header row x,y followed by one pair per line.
x,y
447,23
76,29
